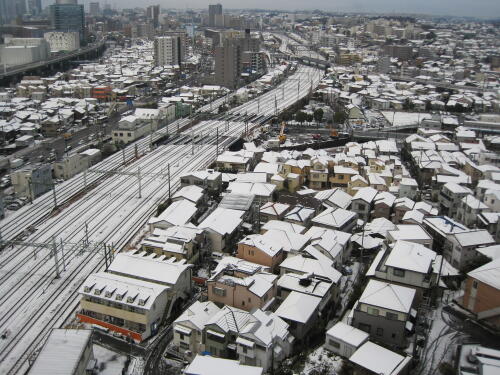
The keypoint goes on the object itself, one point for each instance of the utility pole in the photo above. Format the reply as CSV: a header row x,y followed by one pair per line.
x,y
168,171
123,154
54,194
62,254
217,142
85,180
86,234
54,251
139,179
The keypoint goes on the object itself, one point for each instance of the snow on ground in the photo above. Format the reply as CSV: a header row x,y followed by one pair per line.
x,y
108,361
405,118
442,340
321,360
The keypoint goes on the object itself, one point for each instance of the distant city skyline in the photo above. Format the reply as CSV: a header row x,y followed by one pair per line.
x,y
478,8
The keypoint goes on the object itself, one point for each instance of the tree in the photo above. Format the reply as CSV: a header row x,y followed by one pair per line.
x,y
309,117
300,117
318,115
339,117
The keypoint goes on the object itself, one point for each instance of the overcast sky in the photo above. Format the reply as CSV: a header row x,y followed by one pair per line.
x,y
476,8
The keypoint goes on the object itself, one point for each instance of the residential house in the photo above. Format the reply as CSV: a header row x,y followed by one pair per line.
x,y
207,365
191,193
72,345
461,252
373,359
178,213
356,183
382,206
410,264
261,249
209,180
333,244
469,209
300,312
482,293
244,288
266,342
221,227
341,176
336,219
273,211
343,339
384,311
188,328
300,215
401,207
179,242
408,188
411,233
283,226
336,198
363,201
318,174
450,198
131,307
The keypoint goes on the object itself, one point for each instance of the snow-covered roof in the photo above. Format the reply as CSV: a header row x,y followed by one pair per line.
x,y
299,213
178,213
62,352
142,267
316,287
387,295
377,359
267,245
230,319
274,208
222,220
192,193
366,194
206,365
284,226
298,307
348,334
409,232
474,238
334,217
492,252
411,256
198,314
320,267
488,273
134,292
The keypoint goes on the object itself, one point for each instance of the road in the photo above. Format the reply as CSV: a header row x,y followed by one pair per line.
x,y
33,299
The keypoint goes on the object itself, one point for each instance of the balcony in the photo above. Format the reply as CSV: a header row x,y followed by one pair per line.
x,y
85,317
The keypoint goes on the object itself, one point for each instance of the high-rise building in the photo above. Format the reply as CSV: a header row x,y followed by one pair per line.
x,y
153,14
214,12
228,63
67,15
169,50
35,7
94,9
11,9
232,56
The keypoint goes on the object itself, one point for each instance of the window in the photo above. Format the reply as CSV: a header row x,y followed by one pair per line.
x,y
372,311
380,332
474,284
334,343
181,336
184,345
219,291
398,272
365,327
242,303
129,134
361,207
393,335
244,349
341,176
249,300
391,316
